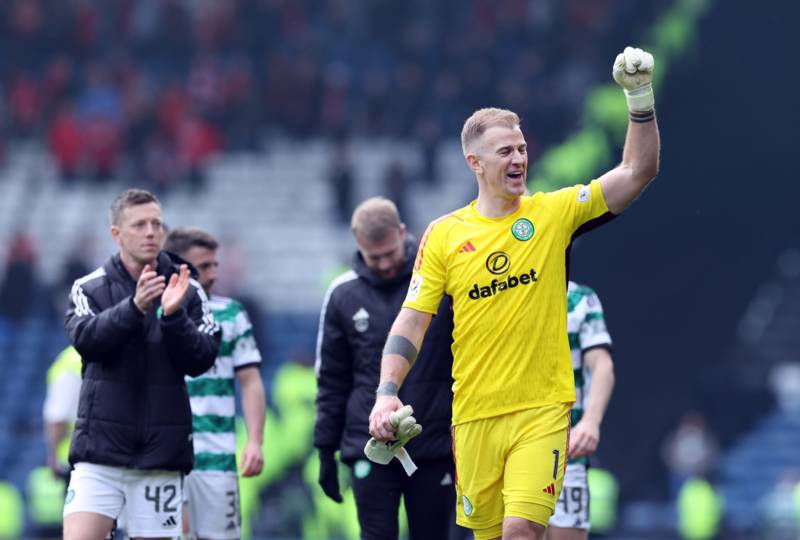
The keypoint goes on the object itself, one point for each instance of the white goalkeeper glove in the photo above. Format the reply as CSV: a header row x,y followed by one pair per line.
x,y
633,71
382,452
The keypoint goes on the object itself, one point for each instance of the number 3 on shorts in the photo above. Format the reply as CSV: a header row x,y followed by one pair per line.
x,y
233,510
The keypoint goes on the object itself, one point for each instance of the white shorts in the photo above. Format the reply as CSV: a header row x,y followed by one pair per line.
x,y
572,507
212,500
149,501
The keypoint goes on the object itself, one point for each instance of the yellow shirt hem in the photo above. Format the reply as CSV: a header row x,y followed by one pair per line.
x,y
563,397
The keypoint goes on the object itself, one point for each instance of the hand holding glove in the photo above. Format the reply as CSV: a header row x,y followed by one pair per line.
x,y
329,474
633,71
407,428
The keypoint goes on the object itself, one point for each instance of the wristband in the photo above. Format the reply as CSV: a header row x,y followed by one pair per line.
x,y
640,99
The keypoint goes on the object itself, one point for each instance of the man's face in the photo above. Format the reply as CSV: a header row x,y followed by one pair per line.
x,y
501,159
205,261
139,233
386,257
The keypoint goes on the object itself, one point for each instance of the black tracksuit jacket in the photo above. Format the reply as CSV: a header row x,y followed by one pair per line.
x,y
357,313
134,409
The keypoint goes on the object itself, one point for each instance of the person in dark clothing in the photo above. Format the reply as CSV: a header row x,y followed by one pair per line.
x,y
140,324
19,285
357,312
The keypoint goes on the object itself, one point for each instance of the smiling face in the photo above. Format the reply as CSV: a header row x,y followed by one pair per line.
x,y
139,233
499,158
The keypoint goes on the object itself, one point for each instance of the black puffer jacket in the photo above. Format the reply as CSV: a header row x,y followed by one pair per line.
x,y
134,408
357,313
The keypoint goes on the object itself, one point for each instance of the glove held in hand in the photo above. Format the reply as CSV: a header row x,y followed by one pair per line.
x,y
407,428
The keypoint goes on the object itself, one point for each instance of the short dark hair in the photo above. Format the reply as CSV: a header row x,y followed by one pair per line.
x,y
182,239
128,198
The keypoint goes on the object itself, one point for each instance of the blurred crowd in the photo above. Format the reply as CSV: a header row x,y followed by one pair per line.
x,y
154,89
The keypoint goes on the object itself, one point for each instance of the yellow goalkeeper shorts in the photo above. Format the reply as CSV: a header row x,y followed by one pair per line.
x,y
510,466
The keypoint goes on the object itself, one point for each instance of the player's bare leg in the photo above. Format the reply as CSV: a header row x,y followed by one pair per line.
x,y
561,533
515,528
87,526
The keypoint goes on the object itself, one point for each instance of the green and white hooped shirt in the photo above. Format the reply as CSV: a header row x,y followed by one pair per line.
x,y
586,328
213,394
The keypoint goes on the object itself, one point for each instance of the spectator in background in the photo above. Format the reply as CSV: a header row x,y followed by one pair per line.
x,y
395,185
140,326
197,142
65,141
689,451
58,82
429,133
341,180
777,512
699,510
240,128
78,263
212,489
99,109
20,286
162,168
356,314
784,381
25,105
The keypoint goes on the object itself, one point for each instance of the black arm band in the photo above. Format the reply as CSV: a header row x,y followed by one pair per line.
x,y
401,346
387,389
640,117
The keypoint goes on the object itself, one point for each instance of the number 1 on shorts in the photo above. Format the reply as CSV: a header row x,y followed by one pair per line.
x,y
556,453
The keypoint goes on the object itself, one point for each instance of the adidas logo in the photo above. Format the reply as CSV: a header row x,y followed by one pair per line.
x,y
551,489
170,522
447,480
466,248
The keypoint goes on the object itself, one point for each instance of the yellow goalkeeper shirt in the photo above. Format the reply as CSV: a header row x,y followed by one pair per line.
x,y
508,280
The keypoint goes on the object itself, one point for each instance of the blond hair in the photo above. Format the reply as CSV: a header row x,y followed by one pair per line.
x,y
374,219
483,119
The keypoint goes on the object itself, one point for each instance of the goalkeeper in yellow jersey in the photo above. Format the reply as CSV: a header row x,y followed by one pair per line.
x,y
502,260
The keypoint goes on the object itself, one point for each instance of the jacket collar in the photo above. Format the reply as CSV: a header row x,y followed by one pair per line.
x,y
168,264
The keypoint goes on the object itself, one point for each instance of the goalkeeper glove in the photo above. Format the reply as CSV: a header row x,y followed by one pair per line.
x,y
633,71
382,452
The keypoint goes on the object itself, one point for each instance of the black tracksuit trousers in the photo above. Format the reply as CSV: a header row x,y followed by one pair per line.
x,y
429,494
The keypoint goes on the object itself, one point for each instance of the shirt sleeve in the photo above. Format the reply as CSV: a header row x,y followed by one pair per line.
x,y
583,206
61,402
245,351
593,331
430,273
